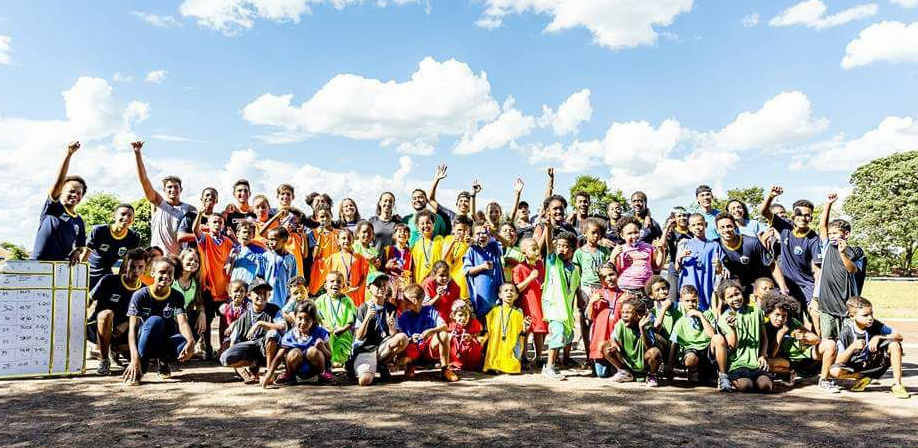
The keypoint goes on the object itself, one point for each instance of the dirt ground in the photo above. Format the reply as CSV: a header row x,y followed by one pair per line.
x,y
205,406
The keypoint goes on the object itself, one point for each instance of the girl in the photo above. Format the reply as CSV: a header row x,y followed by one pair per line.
x,y
427,249
348,215
323,242
188,284
232,310
743,326
456,246
631,349
399,264
337,313
510,254
440,290
506,333
365,246
604,310
664,314
528,277
153,253
304,350
466,338
352,267
740,213
589,257
677,229
635,260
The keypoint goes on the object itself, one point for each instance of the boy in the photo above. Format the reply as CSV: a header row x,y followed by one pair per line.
x,y
841,266
483,271
255,334
280,266
167,211
61,232
377,338
632,350
336,314
285,197
322,242
426,330
798,247
696,261
762,286
247,258
109,242
562,278
694,336
290,219
704,196
299,292
112,294
456,246
743,327
867,349
158,327
241,210
744,258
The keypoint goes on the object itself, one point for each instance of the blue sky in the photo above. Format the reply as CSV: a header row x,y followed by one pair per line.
x,y
667,101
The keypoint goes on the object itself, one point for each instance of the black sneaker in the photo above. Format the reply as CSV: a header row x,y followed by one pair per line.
x,y
384,374
164,371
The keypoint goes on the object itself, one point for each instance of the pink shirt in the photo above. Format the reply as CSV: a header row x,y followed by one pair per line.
x,y
635,265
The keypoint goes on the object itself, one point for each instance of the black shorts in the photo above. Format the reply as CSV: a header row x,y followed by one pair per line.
x,y
806,367
92,334
252,351
706,361
874,367
743,372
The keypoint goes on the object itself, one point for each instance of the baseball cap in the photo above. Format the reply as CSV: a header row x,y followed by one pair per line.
x,y
258,283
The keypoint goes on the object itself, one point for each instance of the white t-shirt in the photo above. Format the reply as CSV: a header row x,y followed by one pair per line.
x,y
164,225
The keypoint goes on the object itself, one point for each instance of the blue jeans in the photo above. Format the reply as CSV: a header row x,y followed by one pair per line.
x,y
153,342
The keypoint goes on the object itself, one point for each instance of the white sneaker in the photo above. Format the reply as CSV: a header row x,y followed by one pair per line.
x,y
828,386
723,383
551,373
622,376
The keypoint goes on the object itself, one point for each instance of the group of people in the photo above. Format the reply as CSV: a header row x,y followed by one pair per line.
x,y
713,296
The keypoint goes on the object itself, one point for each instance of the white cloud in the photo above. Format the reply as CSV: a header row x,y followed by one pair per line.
x,y
441,98
509,126
906,3
673,177
174,138
230,16
160,21
615,24
783,120
121,77
573,111
893,42
156,76
750,20
5,49
812,14
894,134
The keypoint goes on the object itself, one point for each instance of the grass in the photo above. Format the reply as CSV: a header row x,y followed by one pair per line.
x,y
893,299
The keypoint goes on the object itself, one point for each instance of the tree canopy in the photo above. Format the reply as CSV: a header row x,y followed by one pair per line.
x,y
98,208
600,194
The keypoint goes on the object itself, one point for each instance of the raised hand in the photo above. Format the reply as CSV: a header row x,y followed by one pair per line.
x,y
518,185
832,197
72,147
775,191
137,146
441,172
551,173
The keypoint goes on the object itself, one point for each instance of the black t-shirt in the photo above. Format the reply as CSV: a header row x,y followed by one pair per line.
x,y
233,219
748,262
112,294
836,284
849,334
144,305
270,313
377,332
107,250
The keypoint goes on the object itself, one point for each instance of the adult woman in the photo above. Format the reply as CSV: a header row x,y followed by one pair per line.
x,y
385,220
740,213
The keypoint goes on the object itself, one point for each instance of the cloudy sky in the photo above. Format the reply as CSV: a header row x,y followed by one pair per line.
x,y
354,97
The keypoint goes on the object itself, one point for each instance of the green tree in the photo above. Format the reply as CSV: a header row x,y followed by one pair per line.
x,y
884,207
751,196
97,209
600,194
18,252
142,213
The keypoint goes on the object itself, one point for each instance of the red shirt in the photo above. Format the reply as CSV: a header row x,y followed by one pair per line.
x,y
444,304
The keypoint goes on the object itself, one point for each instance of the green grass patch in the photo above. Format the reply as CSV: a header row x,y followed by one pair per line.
x,y
892,299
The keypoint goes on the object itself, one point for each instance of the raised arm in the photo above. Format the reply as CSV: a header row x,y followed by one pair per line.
x,y
518,188
55,191
476,188
824,216
432,195
765,209
148,191
550,188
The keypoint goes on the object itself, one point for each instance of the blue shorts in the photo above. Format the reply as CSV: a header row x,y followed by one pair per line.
x,y
558,335
307,370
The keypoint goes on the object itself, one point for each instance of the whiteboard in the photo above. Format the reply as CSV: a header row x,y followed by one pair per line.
x,y
42,318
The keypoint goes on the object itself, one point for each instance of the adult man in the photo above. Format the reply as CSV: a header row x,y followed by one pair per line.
x,y
420,201
798,248
61,233
168,211
705,198
241,210
744,257
650,230
581,213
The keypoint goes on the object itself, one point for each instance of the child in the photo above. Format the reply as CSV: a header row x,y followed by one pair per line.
x,y
792,348
604,310
247,257
153,253
232,310
589,258
664,313
262,209
483,271
510,254
467,338
323,242
399,264
761,287
562,278
426,331
428,247
304,350
842,267
506,333
364,245
336,313
299,292
743,327
290,219
108,243
215,250
285,196
348,215
352,267
528,277
632,350
694,337
440,290
280,266
107,327
635,260
188,282
457,245
254,335
867,349
696,261
377,339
